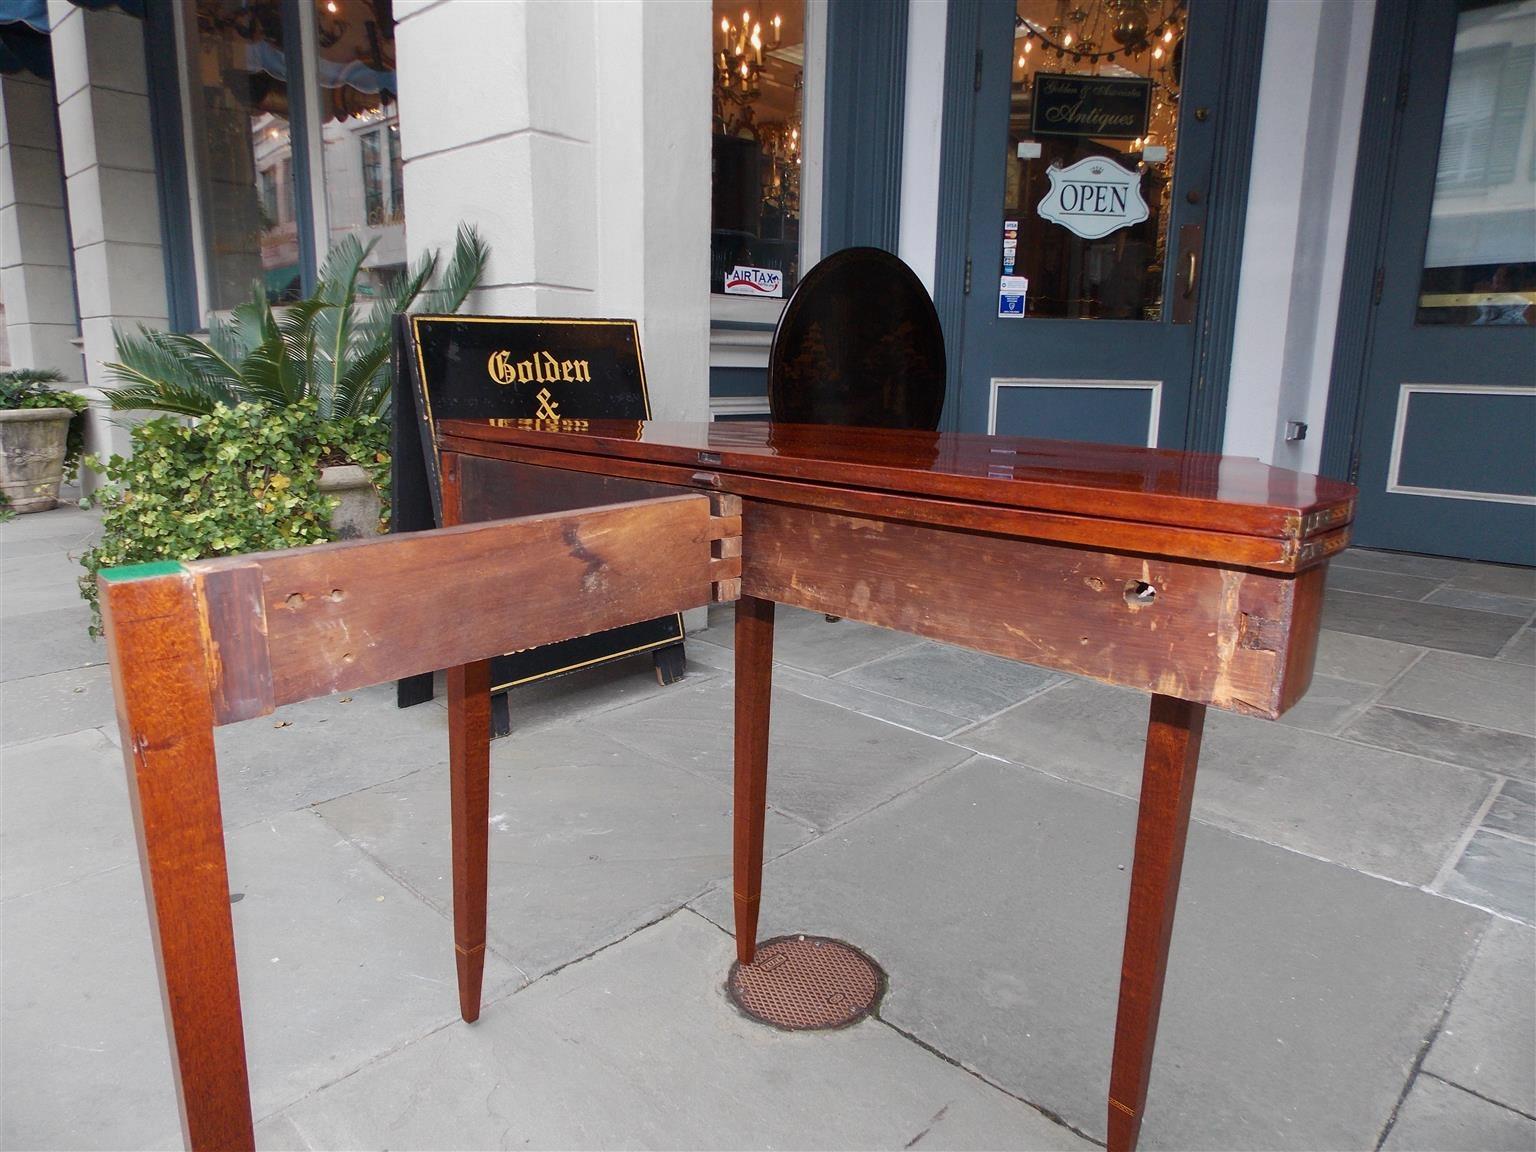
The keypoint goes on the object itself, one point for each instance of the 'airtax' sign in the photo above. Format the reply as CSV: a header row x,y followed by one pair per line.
x,y
1093,198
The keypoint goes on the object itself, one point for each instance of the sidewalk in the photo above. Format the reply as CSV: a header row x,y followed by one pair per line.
x,y
1353,965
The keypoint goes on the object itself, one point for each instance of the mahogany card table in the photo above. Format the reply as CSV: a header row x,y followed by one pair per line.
x,y
1197,579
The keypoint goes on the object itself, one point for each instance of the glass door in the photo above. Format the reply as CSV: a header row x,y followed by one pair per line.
x,y
1095,139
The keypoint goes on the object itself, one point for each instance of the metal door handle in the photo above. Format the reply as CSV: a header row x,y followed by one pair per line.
x,y
1187,280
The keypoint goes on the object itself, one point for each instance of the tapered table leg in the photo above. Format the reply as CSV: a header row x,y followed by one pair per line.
x,y
1167,786
469,775
754,685
165,715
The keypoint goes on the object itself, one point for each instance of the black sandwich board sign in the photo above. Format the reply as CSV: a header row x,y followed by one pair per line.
x,y
521,368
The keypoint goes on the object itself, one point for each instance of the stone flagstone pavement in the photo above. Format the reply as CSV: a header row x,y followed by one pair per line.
x,y
1354,962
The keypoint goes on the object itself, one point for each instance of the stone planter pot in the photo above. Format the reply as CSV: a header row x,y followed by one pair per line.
x,y
357,514
32,456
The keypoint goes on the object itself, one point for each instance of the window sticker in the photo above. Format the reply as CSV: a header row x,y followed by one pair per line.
x,y
744,280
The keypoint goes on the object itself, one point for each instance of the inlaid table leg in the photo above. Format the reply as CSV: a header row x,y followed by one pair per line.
x,y
1167,786
469,784
754,690
165,715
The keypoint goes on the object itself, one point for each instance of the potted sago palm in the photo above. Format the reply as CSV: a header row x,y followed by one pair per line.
x,y
326,350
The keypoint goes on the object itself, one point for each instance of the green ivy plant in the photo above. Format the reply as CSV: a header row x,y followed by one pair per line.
x,y
324,348
242,479
28,388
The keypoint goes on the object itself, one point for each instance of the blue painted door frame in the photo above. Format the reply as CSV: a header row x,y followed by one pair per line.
x,y
861,157
1424,416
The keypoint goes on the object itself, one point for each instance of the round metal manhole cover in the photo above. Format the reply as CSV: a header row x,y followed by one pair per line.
x,y
802,983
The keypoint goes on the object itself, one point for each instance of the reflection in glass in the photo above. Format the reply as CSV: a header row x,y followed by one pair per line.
x,y
1119,275
1480,259
360,132
759,69
242,151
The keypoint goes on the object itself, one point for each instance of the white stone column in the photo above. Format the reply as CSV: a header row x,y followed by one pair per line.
x,y
576,136
676,44
1306,136
109,171
40,315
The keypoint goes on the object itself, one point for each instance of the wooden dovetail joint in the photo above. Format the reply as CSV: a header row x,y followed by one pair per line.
x,y
724,504
725,572
725,546
724,527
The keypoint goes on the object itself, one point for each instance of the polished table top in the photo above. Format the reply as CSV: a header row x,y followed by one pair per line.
x,y
1232,495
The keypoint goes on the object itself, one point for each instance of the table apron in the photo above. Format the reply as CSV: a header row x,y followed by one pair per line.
x,y
1216,632
1232,638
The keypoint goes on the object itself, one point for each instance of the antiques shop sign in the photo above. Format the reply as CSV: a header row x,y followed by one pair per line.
x,y
1106,107
1093,198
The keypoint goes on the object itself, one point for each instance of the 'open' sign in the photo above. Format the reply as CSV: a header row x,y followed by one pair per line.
x,y
1093,198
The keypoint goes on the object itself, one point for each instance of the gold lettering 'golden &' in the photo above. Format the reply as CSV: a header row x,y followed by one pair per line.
x,y
539,368
499,368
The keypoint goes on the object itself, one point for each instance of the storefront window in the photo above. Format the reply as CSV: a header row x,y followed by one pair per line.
x,y
1480,260
253,202
759,75
360,132
1092,142
243,151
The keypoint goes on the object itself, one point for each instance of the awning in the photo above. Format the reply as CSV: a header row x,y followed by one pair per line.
x,y
32,13
265,57
24,43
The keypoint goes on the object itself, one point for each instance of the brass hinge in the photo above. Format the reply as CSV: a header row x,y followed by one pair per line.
x,y
977,87
967,276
